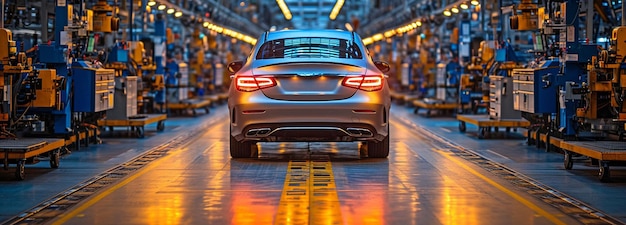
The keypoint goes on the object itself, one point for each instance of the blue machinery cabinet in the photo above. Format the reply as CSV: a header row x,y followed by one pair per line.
x,y
93,88
532,91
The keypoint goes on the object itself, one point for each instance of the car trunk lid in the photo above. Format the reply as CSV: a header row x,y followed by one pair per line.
x,y
309,81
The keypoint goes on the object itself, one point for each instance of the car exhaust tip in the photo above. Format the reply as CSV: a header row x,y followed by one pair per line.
x,y
360,132
258,132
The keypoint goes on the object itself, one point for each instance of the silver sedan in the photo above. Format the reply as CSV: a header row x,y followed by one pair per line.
x,y
309,86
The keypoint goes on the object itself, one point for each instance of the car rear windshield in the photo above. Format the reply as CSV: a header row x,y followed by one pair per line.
x,y
309,48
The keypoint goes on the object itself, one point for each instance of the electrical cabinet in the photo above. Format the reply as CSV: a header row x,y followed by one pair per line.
x,y
534,91
501,98
443,90
180,89
125,105
93,88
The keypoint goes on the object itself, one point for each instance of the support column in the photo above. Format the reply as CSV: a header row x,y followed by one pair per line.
x,y
43,20
589,21
623,16
481,14
2,15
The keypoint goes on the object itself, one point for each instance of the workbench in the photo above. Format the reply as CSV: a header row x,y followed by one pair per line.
x,y
484,124
189,105
23,150
136,123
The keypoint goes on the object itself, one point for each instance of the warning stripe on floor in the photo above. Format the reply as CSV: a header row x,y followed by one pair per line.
x,y
309,194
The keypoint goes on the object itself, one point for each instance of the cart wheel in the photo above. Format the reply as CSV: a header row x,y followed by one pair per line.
x,y
416,110
206,110
538,139
19,171
55,157
482,132
605,171
548,144
462,126
139,132
428,113
77,143
87,138
567,162
161,126
508,130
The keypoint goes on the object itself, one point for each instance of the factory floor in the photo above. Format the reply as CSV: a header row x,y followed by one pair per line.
x,y
433,175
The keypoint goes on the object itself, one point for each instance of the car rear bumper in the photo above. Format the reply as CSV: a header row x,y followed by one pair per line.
x,y
263,119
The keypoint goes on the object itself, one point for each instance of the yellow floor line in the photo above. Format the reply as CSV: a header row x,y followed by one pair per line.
x,y
507,191
99,196
309,195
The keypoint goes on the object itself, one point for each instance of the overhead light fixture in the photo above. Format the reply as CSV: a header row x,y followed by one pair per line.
x,y
178,14
419,23
368,41
464,6
454,10
390,33
170,11
447,13
206,24
161,7
336,9
475,2
378,37
283,7
349,27
152,3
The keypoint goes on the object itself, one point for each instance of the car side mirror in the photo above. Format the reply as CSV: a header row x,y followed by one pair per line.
x,y
382,66
233,67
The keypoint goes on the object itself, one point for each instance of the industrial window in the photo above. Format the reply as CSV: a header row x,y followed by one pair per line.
x,y
309,48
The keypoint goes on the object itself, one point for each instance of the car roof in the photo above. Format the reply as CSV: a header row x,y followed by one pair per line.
x,y
273,35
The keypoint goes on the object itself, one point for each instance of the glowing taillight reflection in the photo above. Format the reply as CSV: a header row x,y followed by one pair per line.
x,y
366,83
248,83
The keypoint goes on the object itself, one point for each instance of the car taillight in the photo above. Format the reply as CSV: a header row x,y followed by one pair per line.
x,y
249,83
366,83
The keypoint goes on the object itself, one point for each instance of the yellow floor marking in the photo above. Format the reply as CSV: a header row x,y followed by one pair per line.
x,y
495,184
309,194
82,207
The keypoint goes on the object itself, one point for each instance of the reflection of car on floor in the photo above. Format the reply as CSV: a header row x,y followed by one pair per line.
x,y
309,85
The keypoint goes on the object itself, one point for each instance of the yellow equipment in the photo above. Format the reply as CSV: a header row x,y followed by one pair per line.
x,y
103,20
137,52
8,47
158,82
618,46
604,77
483,58
527,19
196,64
47,96
14,63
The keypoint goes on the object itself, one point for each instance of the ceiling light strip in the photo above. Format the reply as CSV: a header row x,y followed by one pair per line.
x,y
336,9
284,8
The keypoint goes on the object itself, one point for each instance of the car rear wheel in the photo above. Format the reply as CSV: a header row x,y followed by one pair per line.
x,y
378,149
246,149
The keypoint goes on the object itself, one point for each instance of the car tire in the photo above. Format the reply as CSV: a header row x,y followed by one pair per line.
x,y
241,149
378,149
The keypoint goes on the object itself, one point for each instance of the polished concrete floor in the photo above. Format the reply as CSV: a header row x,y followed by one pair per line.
x,y
434,175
